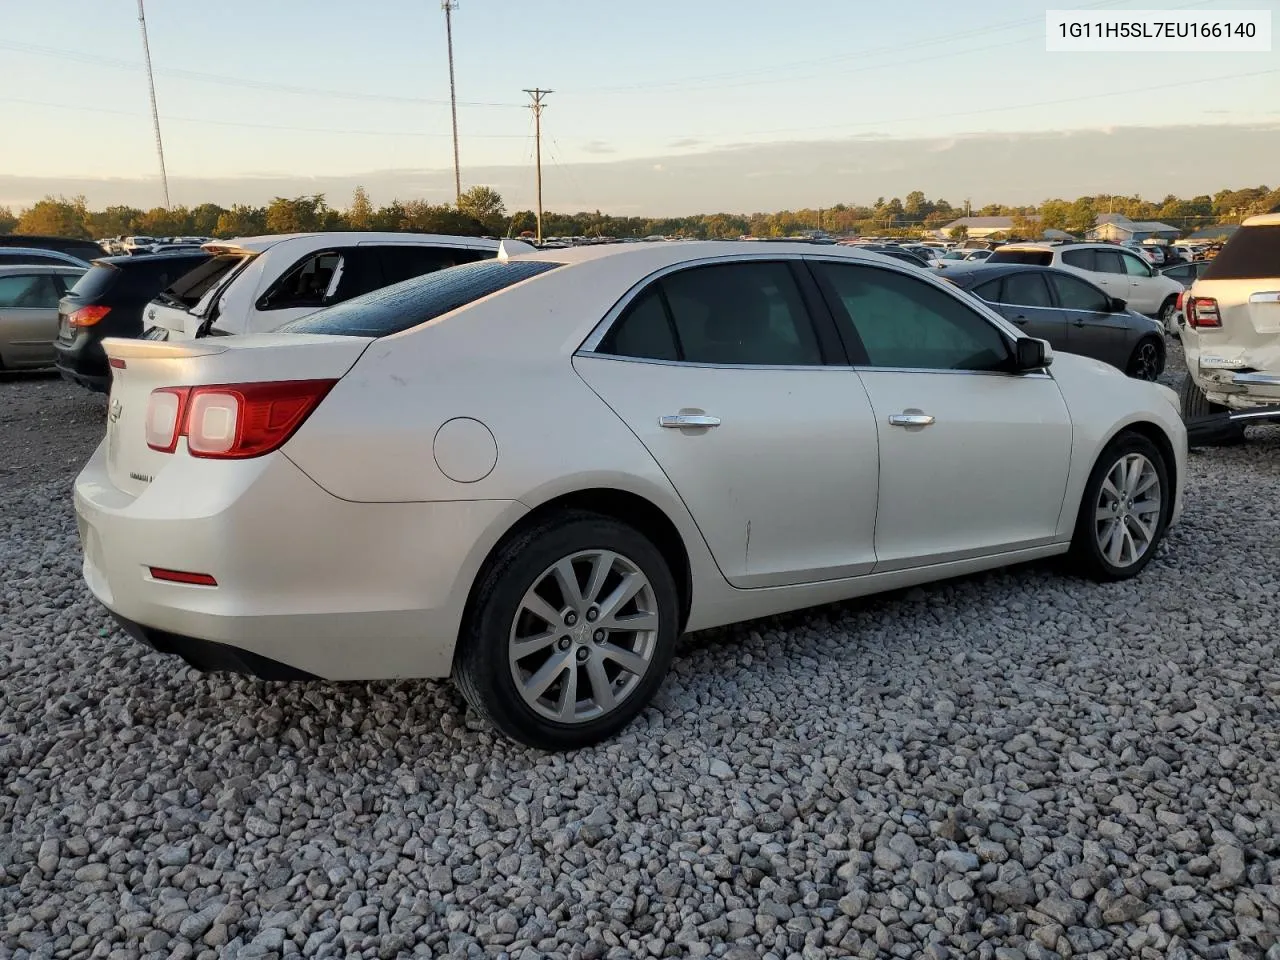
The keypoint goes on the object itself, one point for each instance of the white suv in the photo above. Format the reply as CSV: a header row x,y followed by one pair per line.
x,y
258,284
1122,273
1232,333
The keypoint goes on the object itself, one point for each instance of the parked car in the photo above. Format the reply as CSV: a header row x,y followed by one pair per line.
x,y
1117,270
964,255
258,284
1068,311
1186,273
108,302
17,256
82,250
1232,333
372,491
29,312
139,244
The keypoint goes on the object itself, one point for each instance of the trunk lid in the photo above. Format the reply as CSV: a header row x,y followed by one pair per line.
x,y
142,366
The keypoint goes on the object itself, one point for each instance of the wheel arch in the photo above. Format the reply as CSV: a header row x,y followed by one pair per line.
x,y
624,506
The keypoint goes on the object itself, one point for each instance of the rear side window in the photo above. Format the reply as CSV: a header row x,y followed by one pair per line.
x,y
1252,253
990,291
1035,258
403,261
191,287
1080,259
644,332
413,302
1109,261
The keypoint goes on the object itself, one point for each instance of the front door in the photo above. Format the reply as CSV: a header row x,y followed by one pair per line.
x,y
721,373
1092,328
973,459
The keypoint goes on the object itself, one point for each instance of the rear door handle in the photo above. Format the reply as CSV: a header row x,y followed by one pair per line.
x,y
910,419
680,420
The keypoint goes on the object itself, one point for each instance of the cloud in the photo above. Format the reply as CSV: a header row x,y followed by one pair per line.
x,y
1020,168
597,146
685,142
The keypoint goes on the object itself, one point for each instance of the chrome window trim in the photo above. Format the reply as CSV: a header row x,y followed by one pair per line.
x,y
1042,374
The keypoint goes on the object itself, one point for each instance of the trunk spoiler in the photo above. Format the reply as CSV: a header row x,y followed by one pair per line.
x,y
125,347
1204,431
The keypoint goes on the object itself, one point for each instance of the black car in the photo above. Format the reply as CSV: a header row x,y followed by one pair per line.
x,y
86,250
108,302
1068,311
1187,273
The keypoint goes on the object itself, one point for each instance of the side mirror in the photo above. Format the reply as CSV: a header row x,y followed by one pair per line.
x,y
1031,354
1116,305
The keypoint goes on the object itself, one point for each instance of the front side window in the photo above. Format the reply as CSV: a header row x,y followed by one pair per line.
x,y
908,323
748,313
307,284
1134,266
1027,290
1075,294
23,292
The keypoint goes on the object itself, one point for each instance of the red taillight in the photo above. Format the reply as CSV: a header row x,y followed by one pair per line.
x,y
1181,297
182,576
86,316
233,420
1203,312
116,363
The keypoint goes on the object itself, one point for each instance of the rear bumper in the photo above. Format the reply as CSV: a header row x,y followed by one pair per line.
x,y
305,582
83,362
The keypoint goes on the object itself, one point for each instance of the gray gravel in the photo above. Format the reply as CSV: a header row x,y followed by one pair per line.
x,y
1016,765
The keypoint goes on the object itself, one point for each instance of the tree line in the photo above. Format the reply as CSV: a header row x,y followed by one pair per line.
x,y
482,212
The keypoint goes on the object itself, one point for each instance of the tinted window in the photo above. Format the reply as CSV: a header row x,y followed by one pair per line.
x,y
405,305
402,262
1183,274
905,322
1108,261
1035,258
1080,259
95,282
990,291
22,292
191,287
1026,289
1252,253
644,331
741,313
1134,266
1075,294
306,284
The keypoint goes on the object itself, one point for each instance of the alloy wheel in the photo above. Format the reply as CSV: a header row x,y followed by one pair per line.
x,y
584,636
1146,361
1127,514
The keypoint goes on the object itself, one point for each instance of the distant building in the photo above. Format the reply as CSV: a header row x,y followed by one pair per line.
x,y
979,228
1214,232
1119,228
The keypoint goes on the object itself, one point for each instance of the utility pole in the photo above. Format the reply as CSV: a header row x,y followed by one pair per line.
x,y
536,106
449,6
155,113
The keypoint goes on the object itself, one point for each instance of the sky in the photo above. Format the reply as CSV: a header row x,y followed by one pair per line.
x,y
657,108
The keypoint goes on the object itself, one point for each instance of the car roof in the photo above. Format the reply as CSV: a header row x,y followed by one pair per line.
x,y
261,244
1263,220
983,270
7,270
71,259
659,253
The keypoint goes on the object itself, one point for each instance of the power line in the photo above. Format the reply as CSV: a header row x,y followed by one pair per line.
x,y
155,113
536,94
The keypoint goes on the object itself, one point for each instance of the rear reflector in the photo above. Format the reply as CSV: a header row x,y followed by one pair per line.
x,y
233,420
1203,312
117,363
87,316
182,576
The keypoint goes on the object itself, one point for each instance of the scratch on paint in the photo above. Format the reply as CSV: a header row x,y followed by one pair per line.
x,y
746,556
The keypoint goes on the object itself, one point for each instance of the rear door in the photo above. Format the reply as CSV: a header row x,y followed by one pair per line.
x,y
733,378
28,318
1092,329
1023,298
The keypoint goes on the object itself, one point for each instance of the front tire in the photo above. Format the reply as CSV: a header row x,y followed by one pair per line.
x,y
1124,510
570,633
1147,360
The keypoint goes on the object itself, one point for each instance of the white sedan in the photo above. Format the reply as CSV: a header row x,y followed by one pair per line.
x,y
534,473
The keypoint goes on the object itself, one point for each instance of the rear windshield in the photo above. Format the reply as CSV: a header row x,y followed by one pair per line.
x,y
93,284
1035,258
188,289
404,305
1252,253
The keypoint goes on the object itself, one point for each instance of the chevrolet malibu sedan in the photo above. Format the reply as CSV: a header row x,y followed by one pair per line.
x,y
534,473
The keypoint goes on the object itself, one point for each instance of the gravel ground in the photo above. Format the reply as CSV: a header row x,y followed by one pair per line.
x,y
1015,765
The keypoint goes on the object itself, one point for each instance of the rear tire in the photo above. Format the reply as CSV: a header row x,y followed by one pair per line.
x,y
1123,512
575,673
1147,360
1196,405
1168,311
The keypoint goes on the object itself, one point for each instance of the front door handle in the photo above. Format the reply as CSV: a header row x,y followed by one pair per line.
x,y
910,419
679,421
